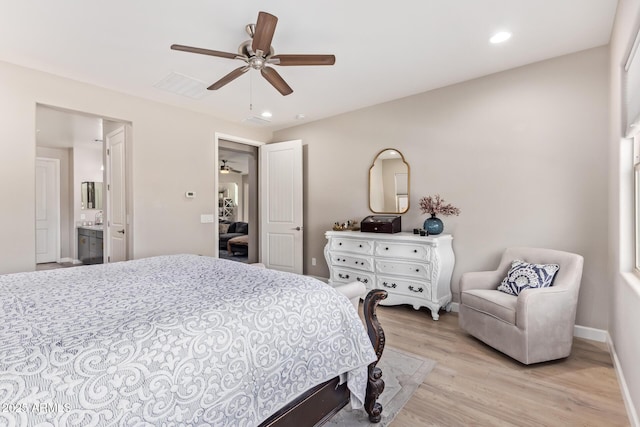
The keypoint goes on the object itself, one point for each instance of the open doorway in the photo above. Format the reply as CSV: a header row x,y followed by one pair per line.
x,y
75,180
237,201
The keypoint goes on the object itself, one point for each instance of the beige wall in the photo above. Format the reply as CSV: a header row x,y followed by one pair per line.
x,y
521,153
172,153
625,307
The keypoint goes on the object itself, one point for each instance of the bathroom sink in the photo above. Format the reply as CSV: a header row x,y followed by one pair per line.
x,y
92,227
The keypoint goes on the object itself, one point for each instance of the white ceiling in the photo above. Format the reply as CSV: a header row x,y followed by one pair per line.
x,y
384,50
63,129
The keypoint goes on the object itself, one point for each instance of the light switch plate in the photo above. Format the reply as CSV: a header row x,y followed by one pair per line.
x,y
206,218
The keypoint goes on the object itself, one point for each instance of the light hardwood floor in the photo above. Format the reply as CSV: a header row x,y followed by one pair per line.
x,y
474,385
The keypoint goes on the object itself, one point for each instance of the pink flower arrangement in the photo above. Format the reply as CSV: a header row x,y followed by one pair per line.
x,y
435,205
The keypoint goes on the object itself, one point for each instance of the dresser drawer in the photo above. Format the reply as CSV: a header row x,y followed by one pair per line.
x,y
404,287
403,250
411,269
358,246
361,263
345,275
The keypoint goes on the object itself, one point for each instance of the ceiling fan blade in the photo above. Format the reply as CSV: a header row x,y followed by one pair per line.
x,y
276,81
286,60
205,51
229,77
265,27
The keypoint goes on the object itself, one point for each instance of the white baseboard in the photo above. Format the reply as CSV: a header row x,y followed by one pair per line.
x,y
588,333
61,260
322,279
455,307
76,261
626,395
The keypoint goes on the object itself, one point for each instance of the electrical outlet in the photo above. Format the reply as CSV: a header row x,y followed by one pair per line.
x,y
313,261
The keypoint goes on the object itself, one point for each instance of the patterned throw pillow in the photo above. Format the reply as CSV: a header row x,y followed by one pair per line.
x,y
223,228
523,275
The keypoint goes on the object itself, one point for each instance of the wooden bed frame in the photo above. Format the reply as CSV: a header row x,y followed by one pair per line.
x,y
318,405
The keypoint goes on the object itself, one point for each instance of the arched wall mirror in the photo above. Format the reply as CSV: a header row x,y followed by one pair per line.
x,y
389,183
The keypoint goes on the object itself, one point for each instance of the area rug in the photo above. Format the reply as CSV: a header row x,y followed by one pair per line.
x,y
402,373
226,255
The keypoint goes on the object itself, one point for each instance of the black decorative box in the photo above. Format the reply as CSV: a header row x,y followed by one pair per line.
x,y
381,224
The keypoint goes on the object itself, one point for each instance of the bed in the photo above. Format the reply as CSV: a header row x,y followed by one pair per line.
x,y
182,340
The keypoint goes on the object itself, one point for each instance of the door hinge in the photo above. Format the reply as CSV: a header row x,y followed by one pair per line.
x,y
108,259
108,187
108,152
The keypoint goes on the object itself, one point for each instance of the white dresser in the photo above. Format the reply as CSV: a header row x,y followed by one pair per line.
x,y
413,269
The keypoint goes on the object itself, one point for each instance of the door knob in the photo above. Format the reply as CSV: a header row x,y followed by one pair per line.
x,y
121,231
297,228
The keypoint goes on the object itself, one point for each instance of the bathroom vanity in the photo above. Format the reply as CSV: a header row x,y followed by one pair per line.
x,y
90,244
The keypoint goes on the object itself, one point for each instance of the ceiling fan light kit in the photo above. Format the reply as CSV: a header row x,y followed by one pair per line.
x,y
225,168
258,54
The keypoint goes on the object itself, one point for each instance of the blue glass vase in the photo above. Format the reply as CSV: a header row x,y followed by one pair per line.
x,y
433,225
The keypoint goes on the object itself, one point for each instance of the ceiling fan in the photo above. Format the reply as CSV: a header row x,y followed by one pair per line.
x,y
225,168
257,53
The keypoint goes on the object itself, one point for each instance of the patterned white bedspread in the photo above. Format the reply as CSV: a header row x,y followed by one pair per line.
x,y
171,340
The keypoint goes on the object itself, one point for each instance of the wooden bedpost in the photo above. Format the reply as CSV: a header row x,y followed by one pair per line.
x,y
375,384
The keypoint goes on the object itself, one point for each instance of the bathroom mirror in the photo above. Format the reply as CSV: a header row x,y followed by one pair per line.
x,y
91,195
389,183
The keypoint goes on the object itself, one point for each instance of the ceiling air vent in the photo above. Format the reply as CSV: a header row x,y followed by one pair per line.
x,y
183,85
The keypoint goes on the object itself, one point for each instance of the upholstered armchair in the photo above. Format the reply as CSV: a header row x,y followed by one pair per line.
x,y
534,326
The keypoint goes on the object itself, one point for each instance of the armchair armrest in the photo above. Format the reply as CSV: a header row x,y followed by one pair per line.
x,y
546,309
480,280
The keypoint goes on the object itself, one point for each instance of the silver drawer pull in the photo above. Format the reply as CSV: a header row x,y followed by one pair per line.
x,y
343,276
412,289
386,285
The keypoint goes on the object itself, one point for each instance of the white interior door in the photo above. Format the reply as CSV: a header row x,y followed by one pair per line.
x,y
280,208
47,210
116,245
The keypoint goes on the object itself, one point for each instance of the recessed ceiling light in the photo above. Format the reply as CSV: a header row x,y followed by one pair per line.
x,y
266,114
500,37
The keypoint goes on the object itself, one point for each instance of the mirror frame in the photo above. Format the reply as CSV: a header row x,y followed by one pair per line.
x,y
408,181
98,195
